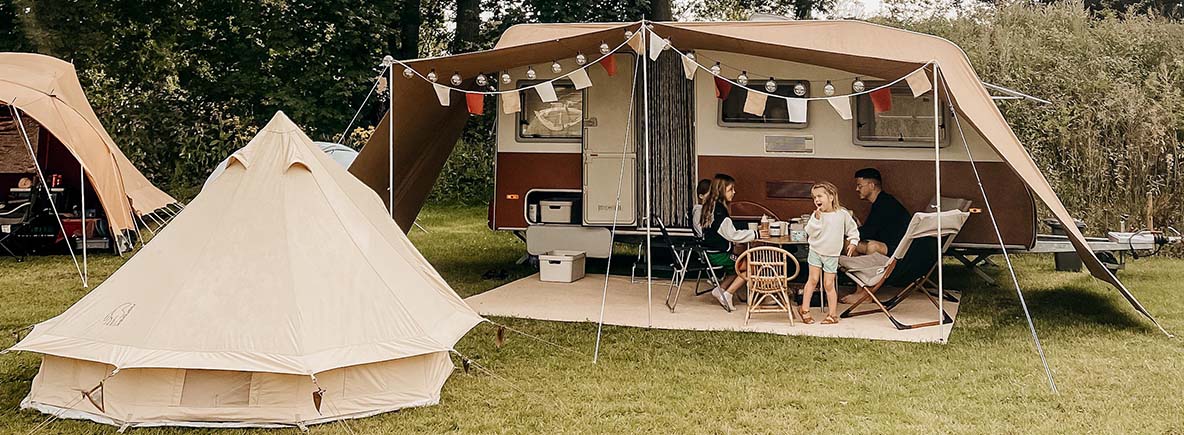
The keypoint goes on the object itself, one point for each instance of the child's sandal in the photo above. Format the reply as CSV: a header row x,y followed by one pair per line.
x,y
806,317
830,320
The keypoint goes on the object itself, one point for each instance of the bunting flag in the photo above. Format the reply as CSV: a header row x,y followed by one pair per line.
x,y
637,43
610,64
442,94
656,46
919,83
688,68
842,106
511,103
797,109
580,78
476,103
546,92
882,100
722,88
754,103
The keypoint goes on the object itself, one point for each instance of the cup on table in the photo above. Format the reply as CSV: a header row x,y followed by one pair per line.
x,y
753,226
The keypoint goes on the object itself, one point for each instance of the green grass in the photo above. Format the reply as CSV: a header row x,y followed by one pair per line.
x,y
1116,373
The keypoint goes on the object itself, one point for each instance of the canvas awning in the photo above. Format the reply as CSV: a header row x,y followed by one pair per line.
x,y
47,90
425,132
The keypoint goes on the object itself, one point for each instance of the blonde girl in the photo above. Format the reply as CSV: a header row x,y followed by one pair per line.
x,y
830,231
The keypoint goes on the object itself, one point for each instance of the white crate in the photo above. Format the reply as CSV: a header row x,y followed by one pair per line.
x,y
555,212
561,266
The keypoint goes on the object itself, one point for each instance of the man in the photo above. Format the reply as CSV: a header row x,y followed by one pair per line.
x,y
888,219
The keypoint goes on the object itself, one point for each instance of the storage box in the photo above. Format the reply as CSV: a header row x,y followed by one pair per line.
x,y
555,212
561,266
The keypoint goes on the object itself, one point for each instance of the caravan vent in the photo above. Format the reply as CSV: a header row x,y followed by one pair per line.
x,y
789,144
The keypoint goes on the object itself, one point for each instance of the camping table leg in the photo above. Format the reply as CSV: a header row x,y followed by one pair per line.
x,y
973,265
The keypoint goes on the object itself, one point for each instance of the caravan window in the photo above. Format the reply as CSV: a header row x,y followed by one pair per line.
x,y
731,113
557,121
909,123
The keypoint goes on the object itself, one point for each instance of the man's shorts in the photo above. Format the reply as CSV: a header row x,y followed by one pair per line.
x,y
827,263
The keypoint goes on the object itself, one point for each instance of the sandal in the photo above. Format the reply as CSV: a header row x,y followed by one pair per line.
x,y
830,320
806,317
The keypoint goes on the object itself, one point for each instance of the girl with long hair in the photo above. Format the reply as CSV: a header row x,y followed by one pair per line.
x,y
719,235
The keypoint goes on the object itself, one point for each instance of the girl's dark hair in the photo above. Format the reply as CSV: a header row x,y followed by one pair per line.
x,y
714,196
703,187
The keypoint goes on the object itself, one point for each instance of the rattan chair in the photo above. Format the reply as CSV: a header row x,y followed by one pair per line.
x,y
767,275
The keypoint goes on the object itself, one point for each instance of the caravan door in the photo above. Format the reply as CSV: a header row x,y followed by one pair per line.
x,y
610,157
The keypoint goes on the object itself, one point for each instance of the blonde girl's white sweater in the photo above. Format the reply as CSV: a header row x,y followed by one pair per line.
x,y
826,232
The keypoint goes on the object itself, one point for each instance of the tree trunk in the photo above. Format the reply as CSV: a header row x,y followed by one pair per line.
x,y
468,26
661,11
410,19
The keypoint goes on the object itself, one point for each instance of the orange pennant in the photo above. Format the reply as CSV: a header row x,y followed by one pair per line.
x,y
610,65
476,103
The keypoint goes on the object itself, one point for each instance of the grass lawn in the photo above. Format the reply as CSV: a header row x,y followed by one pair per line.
x,y
1116,373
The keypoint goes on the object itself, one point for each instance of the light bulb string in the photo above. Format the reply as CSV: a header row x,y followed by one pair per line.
x,y
536,85
767,94
757,76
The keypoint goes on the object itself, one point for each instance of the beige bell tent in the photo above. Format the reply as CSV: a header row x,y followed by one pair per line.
x,y
426,131
47,90
282,295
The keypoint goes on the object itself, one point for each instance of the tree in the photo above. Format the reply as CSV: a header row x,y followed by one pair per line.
x,y
743,9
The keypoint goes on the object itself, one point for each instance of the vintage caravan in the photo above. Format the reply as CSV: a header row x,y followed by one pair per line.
x,y
561,165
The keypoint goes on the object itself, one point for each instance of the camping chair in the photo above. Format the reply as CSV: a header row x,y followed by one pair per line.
x,y
870,272
15,217
685,257
766,269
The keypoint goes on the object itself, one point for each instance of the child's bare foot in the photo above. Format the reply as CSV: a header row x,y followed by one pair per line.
x,y
830,319
849,299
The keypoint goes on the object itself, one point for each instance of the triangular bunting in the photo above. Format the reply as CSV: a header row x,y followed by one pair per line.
x,y
546,92
656,46
610,64
842,106
882,100
722,88
688,67
637,43
754,103
919,83
476,103
511,103
797,109
442,94
580,79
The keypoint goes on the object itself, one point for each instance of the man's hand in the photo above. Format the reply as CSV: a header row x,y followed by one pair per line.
x,y
851,250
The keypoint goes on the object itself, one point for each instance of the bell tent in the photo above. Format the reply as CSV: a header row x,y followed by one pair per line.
x,y
282,295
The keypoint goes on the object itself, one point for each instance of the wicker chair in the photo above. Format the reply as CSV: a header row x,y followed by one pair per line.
x,y
766,270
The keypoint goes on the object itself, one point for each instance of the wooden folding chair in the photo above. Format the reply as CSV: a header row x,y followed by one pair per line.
x,y
768,281
870,272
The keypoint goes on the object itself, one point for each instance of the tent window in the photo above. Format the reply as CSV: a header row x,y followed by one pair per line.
x,y
908,124
216,389
556,121
731,113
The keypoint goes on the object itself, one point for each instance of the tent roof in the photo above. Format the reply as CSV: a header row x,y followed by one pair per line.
x,y
47,89
425,132
285,264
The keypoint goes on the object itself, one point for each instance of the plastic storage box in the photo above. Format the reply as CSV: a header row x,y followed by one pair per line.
x,y
561,266
555,212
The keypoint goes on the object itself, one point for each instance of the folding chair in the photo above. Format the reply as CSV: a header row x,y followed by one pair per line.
x,y
685,257
768,281
16,217
870,272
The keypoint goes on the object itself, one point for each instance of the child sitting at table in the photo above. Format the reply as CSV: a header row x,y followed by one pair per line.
x,y
697,211
719,235
826,230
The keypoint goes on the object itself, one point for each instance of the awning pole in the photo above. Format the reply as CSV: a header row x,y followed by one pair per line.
x,y
649,217
937,180
388,62
82,214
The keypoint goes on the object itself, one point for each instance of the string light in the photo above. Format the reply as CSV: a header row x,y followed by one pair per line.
x,y
408,72
829,89
715,69
530,74
771,86
743,78
580,59
604,48
665,44
482,80
432,75
799,89
456,80
556,67
506,79
628,34
691,56
857,85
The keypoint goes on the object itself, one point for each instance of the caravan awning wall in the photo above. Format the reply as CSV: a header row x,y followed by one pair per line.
x,y
47,90
423,140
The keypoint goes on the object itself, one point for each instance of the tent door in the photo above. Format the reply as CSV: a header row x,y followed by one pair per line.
x,y
606,148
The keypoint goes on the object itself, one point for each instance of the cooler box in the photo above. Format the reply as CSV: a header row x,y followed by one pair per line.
x,y
555,212
561,266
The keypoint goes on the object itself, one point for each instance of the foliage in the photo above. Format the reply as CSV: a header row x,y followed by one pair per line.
x,y
1115,131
